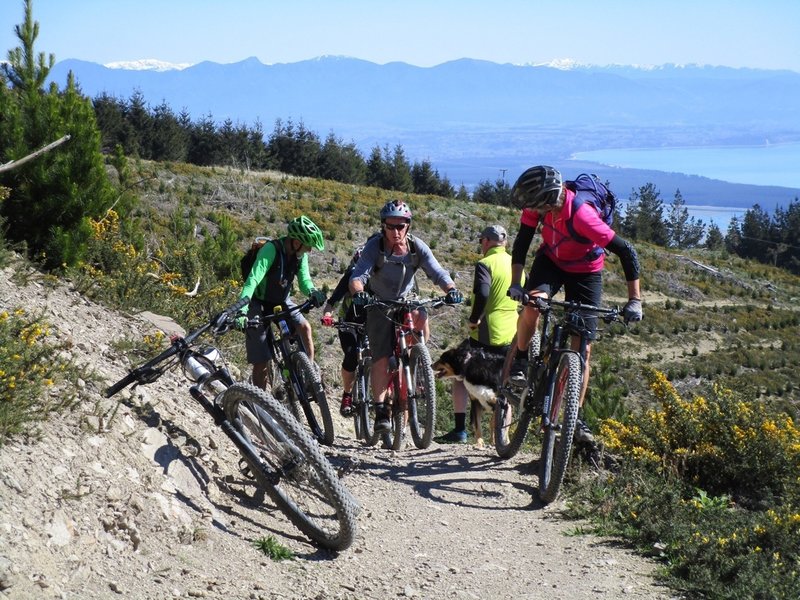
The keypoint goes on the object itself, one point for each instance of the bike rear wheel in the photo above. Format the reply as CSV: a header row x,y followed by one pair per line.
x,y
306,488
364,415
319,417
422,397
510,426
563,414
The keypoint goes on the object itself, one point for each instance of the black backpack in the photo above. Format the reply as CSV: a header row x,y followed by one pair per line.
x,y
250,256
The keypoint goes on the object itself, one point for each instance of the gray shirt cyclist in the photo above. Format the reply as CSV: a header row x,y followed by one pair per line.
x,y
395,278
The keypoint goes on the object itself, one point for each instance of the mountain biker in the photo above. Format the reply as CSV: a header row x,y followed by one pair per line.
x,y
347,340
269,283
393,280
562,260
493,320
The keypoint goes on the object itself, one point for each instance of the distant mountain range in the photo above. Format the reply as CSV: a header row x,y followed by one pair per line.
x,y
474,114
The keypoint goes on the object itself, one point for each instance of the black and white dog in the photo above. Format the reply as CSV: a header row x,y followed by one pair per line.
x,y
481,372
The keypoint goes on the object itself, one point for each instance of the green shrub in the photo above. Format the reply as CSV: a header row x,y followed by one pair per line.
x,y
32,369
710,483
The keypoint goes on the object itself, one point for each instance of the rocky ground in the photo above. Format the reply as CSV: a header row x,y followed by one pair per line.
x,y
138,497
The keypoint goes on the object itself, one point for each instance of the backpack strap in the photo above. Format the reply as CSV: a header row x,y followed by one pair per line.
x,y
579,200
412,249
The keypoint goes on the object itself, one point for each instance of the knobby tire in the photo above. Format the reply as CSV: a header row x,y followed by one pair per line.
x,y
314,395
364,415
398,414
281,391
557,439
310,495
422,409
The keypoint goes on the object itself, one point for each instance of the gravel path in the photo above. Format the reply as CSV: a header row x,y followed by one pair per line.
x,y
140,499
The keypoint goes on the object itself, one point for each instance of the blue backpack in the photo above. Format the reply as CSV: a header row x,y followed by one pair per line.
x,y
588,188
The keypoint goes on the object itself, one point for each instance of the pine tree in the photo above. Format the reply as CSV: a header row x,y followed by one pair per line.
x,y
683,231
53,196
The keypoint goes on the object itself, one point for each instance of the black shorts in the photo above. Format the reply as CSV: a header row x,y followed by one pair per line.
x,y
586,288
255,343
499,350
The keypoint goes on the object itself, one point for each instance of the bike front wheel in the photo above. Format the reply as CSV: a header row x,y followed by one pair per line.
x,y
291,468
563,414
422,397
313,402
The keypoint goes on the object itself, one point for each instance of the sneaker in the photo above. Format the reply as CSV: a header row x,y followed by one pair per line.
x,y
382,423
518,376
386,443
583,435
346,408
453,437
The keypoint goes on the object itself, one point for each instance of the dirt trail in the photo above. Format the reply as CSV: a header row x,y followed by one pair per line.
x,y
141,500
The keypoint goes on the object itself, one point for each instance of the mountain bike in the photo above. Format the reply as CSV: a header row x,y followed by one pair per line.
x,y
363,408
293,377
553,390
276,451
412,391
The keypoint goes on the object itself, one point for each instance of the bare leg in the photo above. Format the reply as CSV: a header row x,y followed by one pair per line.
x,y
261,372
304,331
379,379
348,378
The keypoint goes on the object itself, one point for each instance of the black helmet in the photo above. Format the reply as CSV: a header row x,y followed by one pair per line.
x,y
537,187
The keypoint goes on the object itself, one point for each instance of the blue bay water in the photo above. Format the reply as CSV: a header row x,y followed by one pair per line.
x,y
768,164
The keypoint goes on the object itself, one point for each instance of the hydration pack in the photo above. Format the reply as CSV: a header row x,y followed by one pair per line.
x,y
588,188
250,256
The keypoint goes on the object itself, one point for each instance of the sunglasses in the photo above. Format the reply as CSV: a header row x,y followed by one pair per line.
x,y
397,227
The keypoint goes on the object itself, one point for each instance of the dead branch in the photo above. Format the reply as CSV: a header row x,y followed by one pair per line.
x,y
16,163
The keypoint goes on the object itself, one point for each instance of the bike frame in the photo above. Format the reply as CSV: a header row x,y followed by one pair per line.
x,y
555,339
206,390
283,341
360,377
405,336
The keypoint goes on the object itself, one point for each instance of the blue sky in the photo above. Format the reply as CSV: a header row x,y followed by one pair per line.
x,y
737,33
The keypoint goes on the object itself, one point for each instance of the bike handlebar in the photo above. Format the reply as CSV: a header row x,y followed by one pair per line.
x,y
409,303
608,315
303,308
149,371
348,326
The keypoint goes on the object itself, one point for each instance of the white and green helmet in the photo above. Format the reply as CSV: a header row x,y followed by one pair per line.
x,y
306,232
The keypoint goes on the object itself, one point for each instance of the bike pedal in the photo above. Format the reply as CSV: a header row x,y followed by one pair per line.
x,y
245,469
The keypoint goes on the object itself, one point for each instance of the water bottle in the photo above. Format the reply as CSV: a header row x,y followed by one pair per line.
x,y
195,369
284,328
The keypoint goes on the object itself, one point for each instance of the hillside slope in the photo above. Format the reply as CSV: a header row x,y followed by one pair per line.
x,y
141,499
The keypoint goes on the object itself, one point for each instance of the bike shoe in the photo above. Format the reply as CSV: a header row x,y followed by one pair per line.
x,y
583,435
386,442
453,437
519,373
382,422
346,408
